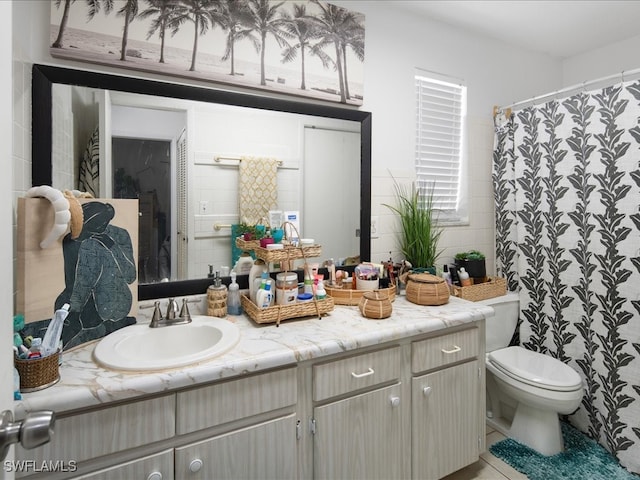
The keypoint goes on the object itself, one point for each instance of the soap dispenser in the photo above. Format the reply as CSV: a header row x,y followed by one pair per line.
x,y
234,304
217,298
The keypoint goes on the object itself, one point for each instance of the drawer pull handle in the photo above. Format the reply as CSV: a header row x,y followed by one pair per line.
x,y
365,374
455,349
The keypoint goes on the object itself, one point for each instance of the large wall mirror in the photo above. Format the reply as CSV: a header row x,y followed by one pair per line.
x,y
176,148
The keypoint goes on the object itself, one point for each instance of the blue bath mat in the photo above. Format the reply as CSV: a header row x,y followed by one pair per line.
x,y
583,459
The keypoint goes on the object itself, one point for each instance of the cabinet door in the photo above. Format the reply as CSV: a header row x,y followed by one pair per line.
x,y
153,467
263,451
360,437
445,421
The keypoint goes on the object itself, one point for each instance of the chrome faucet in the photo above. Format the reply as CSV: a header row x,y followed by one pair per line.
x,y
173,317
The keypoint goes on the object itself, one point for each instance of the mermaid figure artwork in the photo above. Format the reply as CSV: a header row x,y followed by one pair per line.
x,y
99,266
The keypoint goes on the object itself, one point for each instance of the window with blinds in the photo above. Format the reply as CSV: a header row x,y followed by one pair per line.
x,y
440,122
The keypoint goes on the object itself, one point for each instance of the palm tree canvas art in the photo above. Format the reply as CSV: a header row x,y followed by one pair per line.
x,y
309,47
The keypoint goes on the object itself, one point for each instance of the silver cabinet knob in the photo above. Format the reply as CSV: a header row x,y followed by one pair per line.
x,y
195,465
155,476
395,401
426,391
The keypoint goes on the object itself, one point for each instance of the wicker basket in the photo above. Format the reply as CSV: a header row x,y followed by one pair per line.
x,y
375,304
247,245
38,373
495,287
288,252
277,313
427,289
348,296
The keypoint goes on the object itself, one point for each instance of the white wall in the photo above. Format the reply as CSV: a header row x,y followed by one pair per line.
x,y
603,62
495,74
396,44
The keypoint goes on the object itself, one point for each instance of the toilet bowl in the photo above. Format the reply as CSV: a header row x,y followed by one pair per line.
x,y
526,390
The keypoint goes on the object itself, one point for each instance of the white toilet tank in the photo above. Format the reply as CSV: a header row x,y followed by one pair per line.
x,y
500,327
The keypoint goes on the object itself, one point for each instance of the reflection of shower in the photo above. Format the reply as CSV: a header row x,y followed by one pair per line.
x,y
181,193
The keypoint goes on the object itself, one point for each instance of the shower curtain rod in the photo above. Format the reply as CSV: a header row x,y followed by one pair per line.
x,y
624,75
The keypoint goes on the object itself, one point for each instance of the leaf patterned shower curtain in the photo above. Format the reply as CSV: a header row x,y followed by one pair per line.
x,y
566,180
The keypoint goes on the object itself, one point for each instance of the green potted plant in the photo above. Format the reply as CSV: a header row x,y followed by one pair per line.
x,y
419,229
473,262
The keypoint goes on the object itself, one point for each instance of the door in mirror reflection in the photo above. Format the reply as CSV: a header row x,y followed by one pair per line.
x,y
142,170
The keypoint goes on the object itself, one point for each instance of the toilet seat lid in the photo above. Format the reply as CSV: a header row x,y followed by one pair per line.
x,y
536,369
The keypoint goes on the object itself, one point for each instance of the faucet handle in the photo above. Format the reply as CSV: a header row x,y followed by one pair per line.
x,y
184,311
172,309
157,316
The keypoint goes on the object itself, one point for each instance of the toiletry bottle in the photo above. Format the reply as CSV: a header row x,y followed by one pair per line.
x,y
217,298
263,297
321,293
446,275
244,264
465,281
54,331
234,304
255,276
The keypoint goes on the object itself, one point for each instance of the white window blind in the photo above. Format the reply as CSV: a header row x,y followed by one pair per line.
x,y
441,112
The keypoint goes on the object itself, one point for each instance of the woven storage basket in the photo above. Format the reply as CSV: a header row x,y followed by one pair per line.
x,y
348,296
287,252
277,313
243,244
38,373
495,287
375,304
427,289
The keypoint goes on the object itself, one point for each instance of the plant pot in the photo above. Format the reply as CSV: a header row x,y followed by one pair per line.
x,y
475,268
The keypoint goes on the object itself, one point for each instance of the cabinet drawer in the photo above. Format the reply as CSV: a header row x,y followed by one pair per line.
x,y
160,464
439,351
224,402
353,373
109,430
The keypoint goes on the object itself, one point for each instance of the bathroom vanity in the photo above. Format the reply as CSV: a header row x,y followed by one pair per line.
x,y
337,397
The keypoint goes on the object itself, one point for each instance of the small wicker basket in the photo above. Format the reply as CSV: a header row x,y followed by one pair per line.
x,y
495,287
38,373
427,289
375,304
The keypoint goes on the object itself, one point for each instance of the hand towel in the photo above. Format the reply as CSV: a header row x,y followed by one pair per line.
x,y
258,189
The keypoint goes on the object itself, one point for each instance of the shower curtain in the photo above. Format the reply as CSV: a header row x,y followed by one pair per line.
x,y
566,180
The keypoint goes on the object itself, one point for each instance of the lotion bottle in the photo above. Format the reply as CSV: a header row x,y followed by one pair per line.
x,y
255,276
263,297
234,305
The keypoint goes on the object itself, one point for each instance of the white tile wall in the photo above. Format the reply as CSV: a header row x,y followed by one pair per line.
x,y
478,234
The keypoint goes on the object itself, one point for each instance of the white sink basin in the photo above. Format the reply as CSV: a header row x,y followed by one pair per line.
x,y
140,348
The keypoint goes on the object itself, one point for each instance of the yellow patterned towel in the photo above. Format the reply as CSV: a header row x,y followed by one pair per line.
x,y
258,189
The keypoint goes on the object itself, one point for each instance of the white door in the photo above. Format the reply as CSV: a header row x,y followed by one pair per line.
x,y
6,219
332,202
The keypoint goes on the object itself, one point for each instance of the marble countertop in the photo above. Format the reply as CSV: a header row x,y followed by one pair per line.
x,y
84,383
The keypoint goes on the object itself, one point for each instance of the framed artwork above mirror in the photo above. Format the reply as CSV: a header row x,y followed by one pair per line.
x,y
298,47
44,77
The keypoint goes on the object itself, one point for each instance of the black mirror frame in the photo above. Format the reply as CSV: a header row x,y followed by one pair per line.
x,y
43,76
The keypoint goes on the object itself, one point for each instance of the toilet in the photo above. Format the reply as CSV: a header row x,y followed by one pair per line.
x,y
526,390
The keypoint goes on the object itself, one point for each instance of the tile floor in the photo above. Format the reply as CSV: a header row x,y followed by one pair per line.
x,y
488,467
